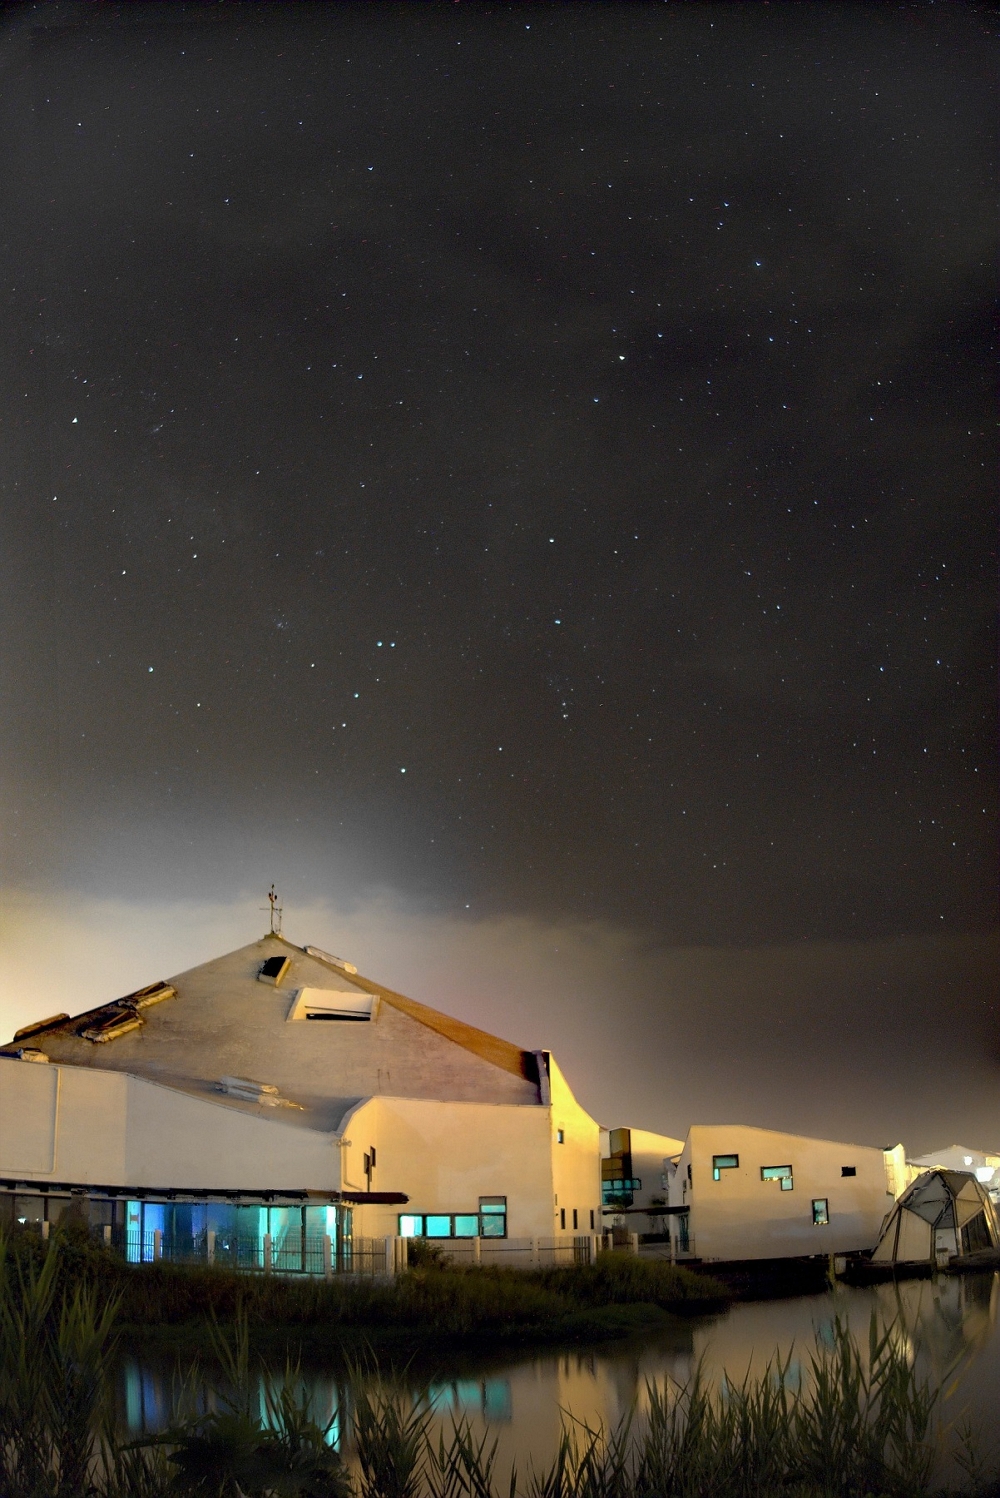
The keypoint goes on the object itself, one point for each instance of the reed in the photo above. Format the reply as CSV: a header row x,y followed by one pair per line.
x,y
860,1422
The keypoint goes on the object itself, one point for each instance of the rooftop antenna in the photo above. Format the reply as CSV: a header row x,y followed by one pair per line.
x,y
276,911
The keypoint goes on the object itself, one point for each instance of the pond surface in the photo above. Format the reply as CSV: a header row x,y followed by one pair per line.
x,y
950,1324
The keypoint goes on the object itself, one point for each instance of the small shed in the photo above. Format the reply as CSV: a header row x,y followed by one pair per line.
x,y
943,1212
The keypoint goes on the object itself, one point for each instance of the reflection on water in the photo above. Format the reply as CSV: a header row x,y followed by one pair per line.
x,y
949,1325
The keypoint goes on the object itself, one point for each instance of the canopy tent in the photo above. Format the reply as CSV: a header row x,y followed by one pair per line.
x,y
943,1211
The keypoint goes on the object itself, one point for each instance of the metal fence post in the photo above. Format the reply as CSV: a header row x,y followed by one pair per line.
x,y
327,1257
633,1243
210,1245
477,1250
45,1231
157,1243
107,1235
268,1256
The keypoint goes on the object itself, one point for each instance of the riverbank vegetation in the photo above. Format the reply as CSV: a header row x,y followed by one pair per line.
x,y
175,1304
861,1422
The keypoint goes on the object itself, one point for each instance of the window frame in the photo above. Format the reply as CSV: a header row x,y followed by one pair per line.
x,y
823,1203
721,1163
782,1173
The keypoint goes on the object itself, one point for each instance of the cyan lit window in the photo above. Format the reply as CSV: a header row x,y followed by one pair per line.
x,y
721,1163
493,1216
467,1225
782,1173
821,1213
437,1226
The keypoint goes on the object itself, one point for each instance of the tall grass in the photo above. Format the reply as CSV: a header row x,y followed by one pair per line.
x,y
860,1422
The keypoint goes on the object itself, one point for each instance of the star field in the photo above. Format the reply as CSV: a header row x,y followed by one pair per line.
x,y
536,458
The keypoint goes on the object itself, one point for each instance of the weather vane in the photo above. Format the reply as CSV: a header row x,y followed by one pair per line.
x,y
275,909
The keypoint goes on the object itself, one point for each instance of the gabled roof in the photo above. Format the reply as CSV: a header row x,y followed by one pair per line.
x,y
220,1020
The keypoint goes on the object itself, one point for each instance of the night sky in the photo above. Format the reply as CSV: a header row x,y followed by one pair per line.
x,y
522,479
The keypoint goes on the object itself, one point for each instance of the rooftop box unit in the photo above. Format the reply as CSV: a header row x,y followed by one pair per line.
x,y
248,1091
24,1053
39,1025
341,962
326,1004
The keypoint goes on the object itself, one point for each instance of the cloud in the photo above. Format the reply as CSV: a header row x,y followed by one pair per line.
x,y
866,1041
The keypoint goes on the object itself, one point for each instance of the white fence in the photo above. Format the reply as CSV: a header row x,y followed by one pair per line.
x,y
520,1253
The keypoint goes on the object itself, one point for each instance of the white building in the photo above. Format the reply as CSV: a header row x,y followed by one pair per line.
x,y
739,1193
277,1091
984,1166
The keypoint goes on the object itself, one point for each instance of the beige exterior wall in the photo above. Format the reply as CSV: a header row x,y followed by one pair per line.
x,y
99,1128
740,1216
81,1126
576,1163
445,1156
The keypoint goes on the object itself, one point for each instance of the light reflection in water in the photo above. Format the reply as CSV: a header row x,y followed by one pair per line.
x,y
949,1325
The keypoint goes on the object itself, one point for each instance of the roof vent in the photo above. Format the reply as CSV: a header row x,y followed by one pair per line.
x,y
39,1024
341,962
110,1025
273,970
326,1004
24,1053
153,993
249,1091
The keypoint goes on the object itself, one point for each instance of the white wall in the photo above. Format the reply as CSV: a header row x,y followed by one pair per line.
x,y
576,1163
445,1156
97,1128
741,1216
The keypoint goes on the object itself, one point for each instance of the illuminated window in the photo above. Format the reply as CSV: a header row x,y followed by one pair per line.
x,y
467,1225
411,1227
721,1163
560,1136
493,1216
782,1173
821,1213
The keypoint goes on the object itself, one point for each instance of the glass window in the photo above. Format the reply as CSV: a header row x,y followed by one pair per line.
x,y
493,1216
848,1170
781,1173
821,1213
410,1226
467,1225
437,1226
721,1163
560,1136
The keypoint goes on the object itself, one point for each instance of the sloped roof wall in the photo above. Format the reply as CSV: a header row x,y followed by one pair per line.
x,y
224,1021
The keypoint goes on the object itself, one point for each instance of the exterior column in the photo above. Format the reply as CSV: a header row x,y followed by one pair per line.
x,y
477,1250
268,1258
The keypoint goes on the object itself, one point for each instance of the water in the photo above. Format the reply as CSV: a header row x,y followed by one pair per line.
x,y
950,1324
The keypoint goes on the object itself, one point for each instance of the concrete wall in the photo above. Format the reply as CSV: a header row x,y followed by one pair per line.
x,y
576,1163
100,1128
445,1156
740,1216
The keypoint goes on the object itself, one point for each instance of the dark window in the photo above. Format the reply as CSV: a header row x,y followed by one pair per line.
x,y
848,1170
562,1217
574,1219
821,1213
721,1163
591,1219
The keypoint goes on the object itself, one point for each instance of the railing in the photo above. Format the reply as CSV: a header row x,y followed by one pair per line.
x,y
293,1254
520,1253
264,1253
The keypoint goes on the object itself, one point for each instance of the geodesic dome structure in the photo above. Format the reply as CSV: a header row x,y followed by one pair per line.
x,y
942,1211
